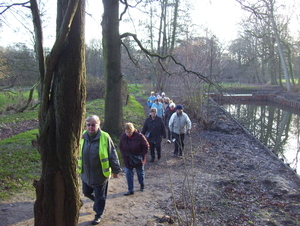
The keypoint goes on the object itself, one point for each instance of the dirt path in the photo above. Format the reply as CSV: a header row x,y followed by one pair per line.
x,y
225,177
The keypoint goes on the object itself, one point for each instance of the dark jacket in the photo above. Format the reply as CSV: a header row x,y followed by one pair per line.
x,y
168,114
156,128
138,144
92,170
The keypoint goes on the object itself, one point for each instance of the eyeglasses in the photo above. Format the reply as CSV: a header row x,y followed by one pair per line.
x,y
92,125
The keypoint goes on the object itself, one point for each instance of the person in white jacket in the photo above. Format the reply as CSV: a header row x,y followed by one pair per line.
x,y
179,125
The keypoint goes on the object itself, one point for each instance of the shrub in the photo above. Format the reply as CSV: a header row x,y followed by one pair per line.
x,y
95,88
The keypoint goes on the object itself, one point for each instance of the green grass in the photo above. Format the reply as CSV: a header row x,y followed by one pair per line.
x,y
134,112
19,117
95,107
20,161
15,97
136,89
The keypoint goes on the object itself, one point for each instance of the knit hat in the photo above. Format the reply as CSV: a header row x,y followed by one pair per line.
x,y
179,106
172,105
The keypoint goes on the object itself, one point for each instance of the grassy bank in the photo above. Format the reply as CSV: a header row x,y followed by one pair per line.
x,y
20,161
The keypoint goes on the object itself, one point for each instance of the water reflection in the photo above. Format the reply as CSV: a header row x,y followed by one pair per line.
x,y
276,127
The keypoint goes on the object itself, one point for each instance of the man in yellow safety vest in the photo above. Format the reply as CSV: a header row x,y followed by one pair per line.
x,y
97,159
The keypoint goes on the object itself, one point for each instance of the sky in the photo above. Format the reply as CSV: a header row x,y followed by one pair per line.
x,y
221,17
210,13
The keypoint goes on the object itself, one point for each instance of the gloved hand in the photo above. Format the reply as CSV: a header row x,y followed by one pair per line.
x,y
188,132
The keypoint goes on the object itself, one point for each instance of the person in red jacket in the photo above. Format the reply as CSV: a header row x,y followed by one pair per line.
x,y
133,142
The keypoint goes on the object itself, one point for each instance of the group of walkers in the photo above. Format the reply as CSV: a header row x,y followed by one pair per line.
x,y
162,117
98,158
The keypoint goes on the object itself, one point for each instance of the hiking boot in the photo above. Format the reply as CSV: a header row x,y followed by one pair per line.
x,y
96,220
129,193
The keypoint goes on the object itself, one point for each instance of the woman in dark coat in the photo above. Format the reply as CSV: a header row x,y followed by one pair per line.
x,y
154,130
132,141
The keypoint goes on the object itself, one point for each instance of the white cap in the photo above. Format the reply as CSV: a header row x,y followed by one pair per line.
x,y
163,93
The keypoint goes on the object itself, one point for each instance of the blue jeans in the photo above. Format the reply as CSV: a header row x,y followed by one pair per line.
x,y
130,176
99,196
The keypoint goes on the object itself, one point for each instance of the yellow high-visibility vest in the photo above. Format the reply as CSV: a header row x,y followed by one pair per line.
x,y
103,154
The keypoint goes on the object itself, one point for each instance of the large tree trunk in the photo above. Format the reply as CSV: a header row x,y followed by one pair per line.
x,y
61,120
113,121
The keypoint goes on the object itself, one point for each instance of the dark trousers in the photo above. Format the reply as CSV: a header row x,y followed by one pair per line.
x,y
98,194
169,133
179,144
154,146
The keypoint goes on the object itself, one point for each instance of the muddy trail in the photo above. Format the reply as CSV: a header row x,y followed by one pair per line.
x,y
225,177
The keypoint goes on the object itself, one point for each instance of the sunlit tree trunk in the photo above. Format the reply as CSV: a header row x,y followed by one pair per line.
x,y
113,121
60,120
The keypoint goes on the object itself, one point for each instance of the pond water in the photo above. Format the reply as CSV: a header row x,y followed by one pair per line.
x,y
278,128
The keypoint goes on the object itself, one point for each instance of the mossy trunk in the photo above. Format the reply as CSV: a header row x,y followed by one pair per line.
x,y
61,120
113,119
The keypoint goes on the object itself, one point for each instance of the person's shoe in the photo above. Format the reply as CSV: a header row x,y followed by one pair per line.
x,y
174,155
142,188
129,193
168,141
173,140
96,220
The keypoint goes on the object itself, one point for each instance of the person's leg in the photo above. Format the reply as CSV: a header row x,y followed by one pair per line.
x,y
140,171
176,143
129,178
169,135
100,199
181,144
88,191
158,149
152,153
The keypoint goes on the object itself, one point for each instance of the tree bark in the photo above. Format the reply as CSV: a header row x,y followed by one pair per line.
x,y
113,120
61,119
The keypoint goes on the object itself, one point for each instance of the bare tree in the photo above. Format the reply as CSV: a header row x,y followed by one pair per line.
x,y
265,11
111,42
61,115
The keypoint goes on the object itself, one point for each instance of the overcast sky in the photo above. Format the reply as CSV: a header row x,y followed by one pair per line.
x,y
221,17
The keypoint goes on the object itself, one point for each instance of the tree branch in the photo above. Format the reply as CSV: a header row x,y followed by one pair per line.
x,y
202,77
12,5
54,54
21,109
125,9
129,55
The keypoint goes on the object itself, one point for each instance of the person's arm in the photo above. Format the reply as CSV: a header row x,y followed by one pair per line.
x,y
121,148
163,129
113,158
145,127
171,123
144,146
189,124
